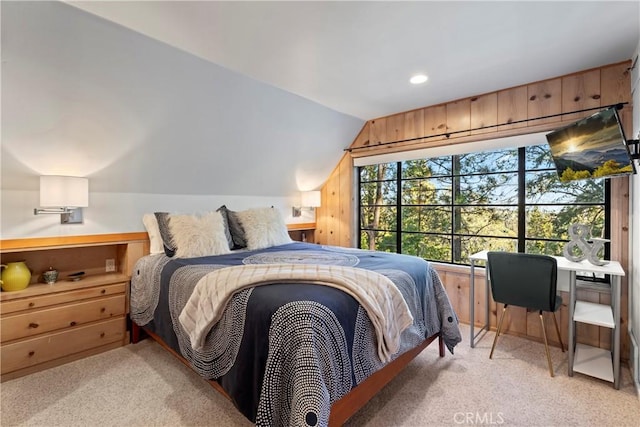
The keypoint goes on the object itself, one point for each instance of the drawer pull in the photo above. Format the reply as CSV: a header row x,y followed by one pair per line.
x,y
72,323
31,304
102,310
33,325
31,353
102,335
104,291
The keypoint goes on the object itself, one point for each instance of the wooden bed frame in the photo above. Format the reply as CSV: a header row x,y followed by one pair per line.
x,y
349,404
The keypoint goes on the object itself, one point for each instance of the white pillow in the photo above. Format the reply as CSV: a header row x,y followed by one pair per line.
x,y
151,224
197,236
263,227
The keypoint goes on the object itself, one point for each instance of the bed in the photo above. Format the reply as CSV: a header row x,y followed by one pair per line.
x,y
309,346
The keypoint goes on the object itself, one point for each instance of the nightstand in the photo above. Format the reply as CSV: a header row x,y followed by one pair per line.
x,y
303,232
47,325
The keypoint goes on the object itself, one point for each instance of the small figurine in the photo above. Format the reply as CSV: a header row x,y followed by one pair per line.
x,y
580,247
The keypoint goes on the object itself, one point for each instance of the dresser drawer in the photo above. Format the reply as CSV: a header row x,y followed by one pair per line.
x,y
33,351
11,306
36,322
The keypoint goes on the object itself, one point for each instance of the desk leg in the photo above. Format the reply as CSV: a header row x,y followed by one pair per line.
x,y
486,298
571,323
472,289
472,304
615,299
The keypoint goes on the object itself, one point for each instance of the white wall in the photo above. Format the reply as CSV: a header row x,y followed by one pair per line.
x,y
634,220
148,124
122,212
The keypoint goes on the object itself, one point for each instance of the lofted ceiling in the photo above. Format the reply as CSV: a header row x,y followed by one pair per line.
x,y
356,57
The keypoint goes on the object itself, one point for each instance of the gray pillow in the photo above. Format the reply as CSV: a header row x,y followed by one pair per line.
x,y
227,232
235,228
165,233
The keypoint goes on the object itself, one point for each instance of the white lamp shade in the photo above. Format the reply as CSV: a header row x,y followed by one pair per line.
x,y
64,191
310,199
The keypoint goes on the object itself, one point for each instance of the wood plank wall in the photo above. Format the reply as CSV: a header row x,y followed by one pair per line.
x,y
334,218
513,110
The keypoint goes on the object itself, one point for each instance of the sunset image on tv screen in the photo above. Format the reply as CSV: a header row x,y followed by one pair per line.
x,y
593,147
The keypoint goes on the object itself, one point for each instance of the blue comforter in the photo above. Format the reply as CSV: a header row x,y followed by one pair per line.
x,y
285,353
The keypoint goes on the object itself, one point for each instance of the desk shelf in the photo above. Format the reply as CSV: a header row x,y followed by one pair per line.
x,y
593,361
594,314
596,362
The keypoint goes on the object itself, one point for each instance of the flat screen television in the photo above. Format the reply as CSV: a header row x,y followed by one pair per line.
x,y
593,147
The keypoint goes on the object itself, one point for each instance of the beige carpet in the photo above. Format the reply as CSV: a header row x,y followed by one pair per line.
x,y
143,385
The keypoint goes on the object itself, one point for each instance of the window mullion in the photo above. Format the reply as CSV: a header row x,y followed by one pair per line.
x,y
399,207
455,209
522,221
360,208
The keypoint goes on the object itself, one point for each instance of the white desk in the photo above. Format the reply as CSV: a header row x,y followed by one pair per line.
x,y
589,360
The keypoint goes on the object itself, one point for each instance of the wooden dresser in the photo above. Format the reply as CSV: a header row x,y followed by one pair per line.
x,y
46,325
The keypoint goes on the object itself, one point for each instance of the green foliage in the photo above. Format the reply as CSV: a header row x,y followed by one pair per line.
x,y
570,175
608,168
611,167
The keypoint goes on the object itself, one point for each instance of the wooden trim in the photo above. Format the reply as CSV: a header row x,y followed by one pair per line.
x,y
433,142
13,245
351,403
301,226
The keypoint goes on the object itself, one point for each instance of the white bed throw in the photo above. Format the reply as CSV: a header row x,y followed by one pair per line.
x,y
376,293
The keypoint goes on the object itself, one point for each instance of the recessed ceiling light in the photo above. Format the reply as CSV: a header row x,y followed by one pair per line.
x,y
418,79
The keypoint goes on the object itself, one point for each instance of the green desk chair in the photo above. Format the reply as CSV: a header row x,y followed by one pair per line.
x,y
525,280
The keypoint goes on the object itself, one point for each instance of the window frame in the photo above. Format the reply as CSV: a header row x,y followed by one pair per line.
x,y
521,206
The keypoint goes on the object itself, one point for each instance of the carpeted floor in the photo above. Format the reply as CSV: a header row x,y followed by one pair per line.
x,y
143,385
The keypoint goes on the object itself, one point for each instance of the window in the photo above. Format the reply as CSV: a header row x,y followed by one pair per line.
x,y
447,208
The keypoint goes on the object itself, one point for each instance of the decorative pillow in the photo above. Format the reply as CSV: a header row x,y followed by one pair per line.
x,y
155,239
167,239
227,233
263,227
197,236
235,228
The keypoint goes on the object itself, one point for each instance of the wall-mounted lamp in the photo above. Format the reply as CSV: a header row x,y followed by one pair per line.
x,y
309,199
64,195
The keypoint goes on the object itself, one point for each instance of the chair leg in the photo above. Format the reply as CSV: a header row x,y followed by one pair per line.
x,y
546,345
557,330
495,340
